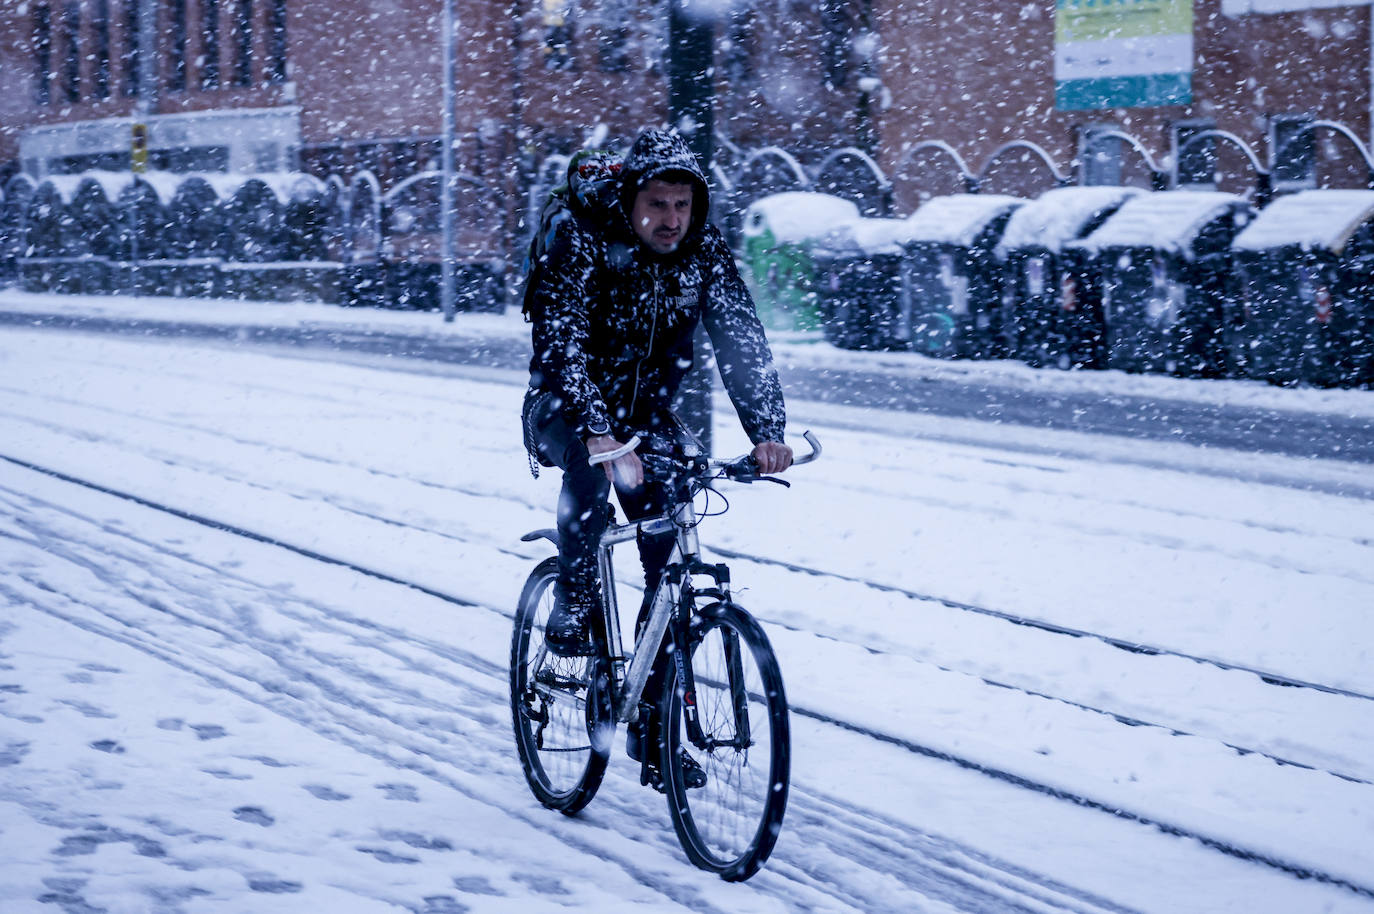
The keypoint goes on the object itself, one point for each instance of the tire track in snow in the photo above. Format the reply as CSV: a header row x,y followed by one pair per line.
x,y
1267,676
1272,559
1224,846
1134,647
927,865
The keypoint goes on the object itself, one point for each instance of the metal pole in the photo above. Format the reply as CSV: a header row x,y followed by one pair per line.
x,y
145,108
446,291
691,109
147,58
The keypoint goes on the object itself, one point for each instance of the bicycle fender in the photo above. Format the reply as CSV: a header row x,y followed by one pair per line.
x,y
546,533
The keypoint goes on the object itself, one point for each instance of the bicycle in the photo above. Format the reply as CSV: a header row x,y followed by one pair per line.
x,y
722,699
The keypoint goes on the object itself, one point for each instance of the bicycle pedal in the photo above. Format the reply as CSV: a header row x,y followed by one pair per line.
x,y
693,775
650,776
552,679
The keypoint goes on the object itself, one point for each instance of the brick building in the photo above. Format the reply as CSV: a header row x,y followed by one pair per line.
x,y
252,85
1259,69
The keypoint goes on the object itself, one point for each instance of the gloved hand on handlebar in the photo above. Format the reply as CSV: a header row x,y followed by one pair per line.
x,y
625,470
772,457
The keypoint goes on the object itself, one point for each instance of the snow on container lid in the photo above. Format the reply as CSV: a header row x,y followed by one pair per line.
x,y
795,216
1309,219
286,186
18,179
955,219
865,236
111,182
1058,216
1165,221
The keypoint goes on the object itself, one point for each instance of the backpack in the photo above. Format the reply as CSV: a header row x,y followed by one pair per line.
x,y
593,175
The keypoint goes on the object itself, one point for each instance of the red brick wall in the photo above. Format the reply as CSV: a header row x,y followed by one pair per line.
x,y
974,75
980,77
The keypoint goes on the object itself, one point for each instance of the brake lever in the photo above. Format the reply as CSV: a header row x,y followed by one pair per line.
x,y
750,476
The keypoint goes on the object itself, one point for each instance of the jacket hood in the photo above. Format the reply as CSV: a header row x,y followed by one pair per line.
x,y
656,152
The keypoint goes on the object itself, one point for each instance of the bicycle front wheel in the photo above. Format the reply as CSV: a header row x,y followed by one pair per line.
x,y
559,705
740,741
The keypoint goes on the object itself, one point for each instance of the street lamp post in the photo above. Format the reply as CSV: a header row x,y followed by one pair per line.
x,y
691,104
145,107
147,58
446,291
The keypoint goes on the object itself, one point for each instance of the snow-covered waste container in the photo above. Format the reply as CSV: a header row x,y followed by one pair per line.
x,y
1306,268
1051,302
779,234
18,192
950,271
260,261
1164,261
196,238
84,265
858,283
48,235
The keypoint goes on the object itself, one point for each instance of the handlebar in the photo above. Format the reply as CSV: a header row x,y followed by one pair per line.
x,y
744,468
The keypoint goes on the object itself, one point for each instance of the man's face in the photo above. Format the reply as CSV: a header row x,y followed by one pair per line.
x,y
662,214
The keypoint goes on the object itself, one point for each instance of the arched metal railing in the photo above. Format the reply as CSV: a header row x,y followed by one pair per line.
x,y
1159,178
1276,154
1264,182
969,179
1061,179
876,200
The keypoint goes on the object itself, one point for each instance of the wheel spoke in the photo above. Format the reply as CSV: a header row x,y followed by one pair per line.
x,y
553,712
730,823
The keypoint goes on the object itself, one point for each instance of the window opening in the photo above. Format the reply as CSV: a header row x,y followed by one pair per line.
x,y
243,59
276,42
71,44
176,52
209,29
1195,163
42,54
100,87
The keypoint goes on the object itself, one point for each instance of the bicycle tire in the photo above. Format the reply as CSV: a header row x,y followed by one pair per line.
x,y
730,825
560,706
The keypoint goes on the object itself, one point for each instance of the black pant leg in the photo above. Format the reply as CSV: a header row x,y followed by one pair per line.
x,y
582,507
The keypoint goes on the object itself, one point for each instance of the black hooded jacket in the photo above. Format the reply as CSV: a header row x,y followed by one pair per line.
x,y
613,320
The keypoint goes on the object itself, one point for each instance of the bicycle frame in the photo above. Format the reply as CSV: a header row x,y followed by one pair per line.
x,y
737,746
627,683
628,680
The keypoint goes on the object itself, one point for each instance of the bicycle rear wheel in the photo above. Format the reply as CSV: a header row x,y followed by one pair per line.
x,y
560,706
730,824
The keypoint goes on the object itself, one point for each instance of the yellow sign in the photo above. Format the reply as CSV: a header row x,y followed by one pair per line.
x,y
138,148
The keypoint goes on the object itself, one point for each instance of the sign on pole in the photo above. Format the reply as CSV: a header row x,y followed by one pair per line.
x,y
1122,53
138,148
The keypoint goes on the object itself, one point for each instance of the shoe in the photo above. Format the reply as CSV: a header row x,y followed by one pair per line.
x,y
693,775
649,773
568,631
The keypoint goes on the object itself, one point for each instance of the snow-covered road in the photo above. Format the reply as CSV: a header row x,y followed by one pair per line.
x,y
195,719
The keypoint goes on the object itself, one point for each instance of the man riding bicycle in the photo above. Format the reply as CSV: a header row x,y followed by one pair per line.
x,y
614,302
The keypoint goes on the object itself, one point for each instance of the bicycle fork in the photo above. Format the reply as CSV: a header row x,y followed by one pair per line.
x,y
682,642
629,675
